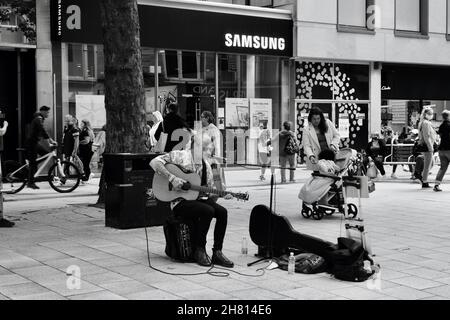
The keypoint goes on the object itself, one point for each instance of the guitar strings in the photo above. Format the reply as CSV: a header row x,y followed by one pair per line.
x,y
220,274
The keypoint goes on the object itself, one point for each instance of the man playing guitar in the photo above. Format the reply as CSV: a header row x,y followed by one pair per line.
x,y
205,208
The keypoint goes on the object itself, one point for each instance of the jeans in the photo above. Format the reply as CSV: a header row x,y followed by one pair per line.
x,y
292,165
427,165
264,158
444,156
202,212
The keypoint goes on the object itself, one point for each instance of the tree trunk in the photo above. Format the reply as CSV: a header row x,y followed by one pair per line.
x,y
124,82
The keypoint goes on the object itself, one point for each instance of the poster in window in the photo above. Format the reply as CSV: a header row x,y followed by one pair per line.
x,y
344,126
261,115
237,113
92,108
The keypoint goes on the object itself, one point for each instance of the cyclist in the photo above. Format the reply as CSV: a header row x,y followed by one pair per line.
x,y
36,141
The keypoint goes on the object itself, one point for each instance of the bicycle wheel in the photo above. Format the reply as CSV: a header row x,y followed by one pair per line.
x,y
65,181
13,181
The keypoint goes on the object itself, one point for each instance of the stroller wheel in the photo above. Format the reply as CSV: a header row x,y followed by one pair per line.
x,y
306,212
317,214
352,210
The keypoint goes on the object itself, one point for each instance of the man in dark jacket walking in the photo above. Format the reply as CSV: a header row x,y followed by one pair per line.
x,y
36,134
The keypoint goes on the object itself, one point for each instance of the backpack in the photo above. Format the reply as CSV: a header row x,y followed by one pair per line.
x,y
180,237
308,263
291,146
348,261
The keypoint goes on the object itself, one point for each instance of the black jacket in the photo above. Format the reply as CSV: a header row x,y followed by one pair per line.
x,y
37,130
444,132
382,152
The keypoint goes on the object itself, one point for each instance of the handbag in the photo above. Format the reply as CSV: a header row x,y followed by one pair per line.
x,y
78,163
372,171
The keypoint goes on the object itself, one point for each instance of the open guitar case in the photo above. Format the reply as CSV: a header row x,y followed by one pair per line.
x,y
274,235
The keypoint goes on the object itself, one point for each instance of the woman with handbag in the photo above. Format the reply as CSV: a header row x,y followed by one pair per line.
x,y
264,148
444,149
376,151
427,143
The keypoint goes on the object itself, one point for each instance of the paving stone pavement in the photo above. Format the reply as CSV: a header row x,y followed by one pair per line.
x,y
408,230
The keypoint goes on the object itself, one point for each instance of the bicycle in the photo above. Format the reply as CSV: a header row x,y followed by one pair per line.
x,y
63,176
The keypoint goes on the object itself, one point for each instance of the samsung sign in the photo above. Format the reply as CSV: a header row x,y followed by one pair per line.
x,y
172,28
255,42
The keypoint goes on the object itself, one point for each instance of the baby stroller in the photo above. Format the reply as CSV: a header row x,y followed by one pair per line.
x,y
322,193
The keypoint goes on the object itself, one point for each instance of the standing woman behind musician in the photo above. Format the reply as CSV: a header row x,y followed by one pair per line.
x,y
202,210
211,130
319,135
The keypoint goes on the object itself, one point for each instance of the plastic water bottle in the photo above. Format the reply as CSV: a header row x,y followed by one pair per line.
x,y
291,264
244,248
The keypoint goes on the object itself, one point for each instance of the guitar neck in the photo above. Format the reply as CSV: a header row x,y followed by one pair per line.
x,y
211,191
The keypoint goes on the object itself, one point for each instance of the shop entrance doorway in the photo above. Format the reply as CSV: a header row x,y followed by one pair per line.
x,y
191,107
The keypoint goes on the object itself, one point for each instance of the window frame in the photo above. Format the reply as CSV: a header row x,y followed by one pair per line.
x,y
181,78
423,23
447,31
355,29
85,63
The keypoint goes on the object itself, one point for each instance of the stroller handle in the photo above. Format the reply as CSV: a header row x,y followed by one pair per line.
x,y
317,174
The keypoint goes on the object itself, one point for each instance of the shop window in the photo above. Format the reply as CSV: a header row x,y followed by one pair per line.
x,y
7,18
356,16
261,3
183,65
85,62
411,18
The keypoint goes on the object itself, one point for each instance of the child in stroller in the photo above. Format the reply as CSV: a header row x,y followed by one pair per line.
x,y
322,193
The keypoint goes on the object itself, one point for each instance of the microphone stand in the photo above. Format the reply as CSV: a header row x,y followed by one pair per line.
x,y
269,252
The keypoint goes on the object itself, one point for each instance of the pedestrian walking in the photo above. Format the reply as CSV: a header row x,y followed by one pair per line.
x,y
444,149
391,139
264,146
99,144
157,120
71,138
287,146
86,141
427,143
38,143
376,151
320,134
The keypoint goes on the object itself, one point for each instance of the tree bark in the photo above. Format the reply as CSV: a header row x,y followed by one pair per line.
x,y
124,82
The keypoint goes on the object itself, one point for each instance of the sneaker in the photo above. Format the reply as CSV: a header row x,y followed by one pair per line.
x,y
32,186
91,176
437,188
262,178
292,181
201,257
6,223
393,176
283,181
426,185
219,259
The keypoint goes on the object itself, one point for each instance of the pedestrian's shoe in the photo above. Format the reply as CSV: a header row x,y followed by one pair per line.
x,y
219,259
437,188
292,181
393,176
426,185
262,178
32,186
283,181
6,223
201,257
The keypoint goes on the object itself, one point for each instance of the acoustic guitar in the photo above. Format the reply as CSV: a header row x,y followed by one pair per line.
x,y
164,190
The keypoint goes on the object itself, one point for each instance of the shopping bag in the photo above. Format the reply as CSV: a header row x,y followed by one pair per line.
x,y
78,163
372,171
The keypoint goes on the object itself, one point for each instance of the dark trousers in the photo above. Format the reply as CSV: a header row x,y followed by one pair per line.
x,y
202,213
86,157
33,152
380,167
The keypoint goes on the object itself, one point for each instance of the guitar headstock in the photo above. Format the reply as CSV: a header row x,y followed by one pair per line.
x,y
242,196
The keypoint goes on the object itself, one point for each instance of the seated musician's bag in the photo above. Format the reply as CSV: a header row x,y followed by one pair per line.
x,y
180,236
